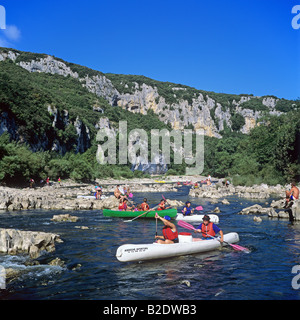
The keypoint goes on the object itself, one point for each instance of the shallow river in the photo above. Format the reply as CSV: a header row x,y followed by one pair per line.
x,y
264,273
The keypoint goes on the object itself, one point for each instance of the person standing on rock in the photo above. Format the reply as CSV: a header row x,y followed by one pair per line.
x,y
117,192
291,195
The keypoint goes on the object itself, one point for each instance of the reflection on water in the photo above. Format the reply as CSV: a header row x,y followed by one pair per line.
x,y
265,273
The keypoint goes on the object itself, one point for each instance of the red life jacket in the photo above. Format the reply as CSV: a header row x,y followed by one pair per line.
x,y
207,230
145,206
162,206
123,206
169,234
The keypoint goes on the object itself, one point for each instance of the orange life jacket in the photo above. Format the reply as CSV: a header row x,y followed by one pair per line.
x,y
169,234
208,230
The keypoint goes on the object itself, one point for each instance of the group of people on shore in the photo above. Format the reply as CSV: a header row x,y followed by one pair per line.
x,y
42,182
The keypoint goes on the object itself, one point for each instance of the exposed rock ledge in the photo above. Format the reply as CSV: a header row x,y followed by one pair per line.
x,y
14,241
255,192
65,198
292,214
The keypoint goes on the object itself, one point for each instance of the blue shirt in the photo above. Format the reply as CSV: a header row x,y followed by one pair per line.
x,y
188,211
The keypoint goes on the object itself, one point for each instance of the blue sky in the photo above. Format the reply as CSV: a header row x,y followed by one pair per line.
x,y
236,46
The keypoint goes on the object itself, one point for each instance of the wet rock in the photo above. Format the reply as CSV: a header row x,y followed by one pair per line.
x,y
225,201
64,217
257,219
258,209
186,282
29,242
57,262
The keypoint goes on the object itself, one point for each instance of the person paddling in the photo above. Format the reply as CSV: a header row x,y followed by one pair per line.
x,y
162,205
170,233
209,229
123,206
187,210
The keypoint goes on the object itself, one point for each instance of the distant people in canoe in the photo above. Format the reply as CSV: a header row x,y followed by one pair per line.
x,y
209,229
123,205
291,195
162,205
187,210
145,205
170,233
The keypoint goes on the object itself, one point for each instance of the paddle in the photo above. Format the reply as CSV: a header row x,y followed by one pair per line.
x,y
199,208
166,201
141,214
234,246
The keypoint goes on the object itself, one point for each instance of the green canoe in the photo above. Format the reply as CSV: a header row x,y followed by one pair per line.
x,y
129,214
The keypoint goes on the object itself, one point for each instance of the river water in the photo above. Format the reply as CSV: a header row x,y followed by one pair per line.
x,y
264,273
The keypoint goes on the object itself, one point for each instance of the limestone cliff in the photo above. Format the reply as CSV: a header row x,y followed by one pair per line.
x,y
180,106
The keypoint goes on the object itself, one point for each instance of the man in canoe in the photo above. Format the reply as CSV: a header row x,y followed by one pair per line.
x,y
170,233
209,229
187,210
145,205
291,195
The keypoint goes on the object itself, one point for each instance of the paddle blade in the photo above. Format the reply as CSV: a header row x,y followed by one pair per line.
x,y
130,195
199,208
185,225
240,248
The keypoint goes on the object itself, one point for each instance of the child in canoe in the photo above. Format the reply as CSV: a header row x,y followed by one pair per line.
x,y
187,210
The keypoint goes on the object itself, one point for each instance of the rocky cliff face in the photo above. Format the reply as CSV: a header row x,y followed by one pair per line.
x,y
199,111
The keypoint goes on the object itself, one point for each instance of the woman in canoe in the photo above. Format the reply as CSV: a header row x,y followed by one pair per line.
x,y
170,233
162,205
187,210
123,206
209,229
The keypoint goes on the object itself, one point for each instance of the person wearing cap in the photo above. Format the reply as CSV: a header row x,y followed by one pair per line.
x,y
209,229
170,233
187,210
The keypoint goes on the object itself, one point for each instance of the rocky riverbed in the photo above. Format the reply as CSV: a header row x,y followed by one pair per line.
x,y
65,197
218,190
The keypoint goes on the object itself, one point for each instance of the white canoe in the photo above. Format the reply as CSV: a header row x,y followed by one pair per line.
x,y
140,252
197,218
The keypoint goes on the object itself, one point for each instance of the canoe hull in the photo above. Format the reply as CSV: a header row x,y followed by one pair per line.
x,y
153,251
197,218
129,214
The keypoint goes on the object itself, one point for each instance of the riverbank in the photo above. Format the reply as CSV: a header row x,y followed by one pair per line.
x,y
70,195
